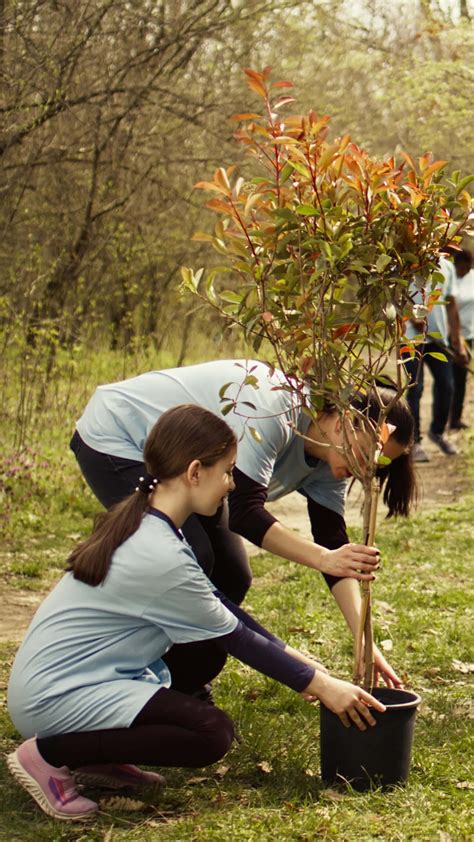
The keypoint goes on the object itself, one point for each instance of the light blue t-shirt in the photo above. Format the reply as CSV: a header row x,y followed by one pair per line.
x,y
120,415
437,320
465,302
84,664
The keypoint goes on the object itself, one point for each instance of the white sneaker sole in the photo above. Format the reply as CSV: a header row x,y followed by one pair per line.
x,y
111,782
33,788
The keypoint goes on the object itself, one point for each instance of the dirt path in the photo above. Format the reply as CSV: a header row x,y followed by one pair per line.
x,y
441,481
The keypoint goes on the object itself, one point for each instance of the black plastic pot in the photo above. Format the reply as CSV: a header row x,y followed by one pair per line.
x,y
379,756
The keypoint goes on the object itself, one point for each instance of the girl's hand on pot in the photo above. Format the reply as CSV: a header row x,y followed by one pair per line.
x,y
353,561
383,669
349,702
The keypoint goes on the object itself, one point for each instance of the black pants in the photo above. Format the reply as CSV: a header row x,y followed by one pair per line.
x,y
173,729
442,388
220,552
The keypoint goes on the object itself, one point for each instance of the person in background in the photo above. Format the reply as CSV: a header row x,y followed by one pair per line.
x,y
465,301
95,687
443,328
281,449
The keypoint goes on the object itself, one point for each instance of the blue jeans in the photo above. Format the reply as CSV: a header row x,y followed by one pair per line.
x,y
442,388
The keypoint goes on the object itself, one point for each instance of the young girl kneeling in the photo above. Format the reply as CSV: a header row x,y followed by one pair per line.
x,y
106,674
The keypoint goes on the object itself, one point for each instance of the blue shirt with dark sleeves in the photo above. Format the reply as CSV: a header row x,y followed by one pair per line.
x,y
120,415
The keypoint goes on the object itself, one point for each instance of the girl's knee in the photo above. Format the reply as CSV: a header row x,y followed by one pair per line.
x,y
219,736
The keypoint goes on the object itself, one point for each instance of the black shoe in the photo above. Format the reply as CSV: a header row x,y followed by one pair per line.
x,y
443,443
458,425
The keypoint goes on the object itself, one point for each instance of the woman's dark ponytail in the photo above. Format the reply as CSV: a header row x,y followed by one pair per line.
x,y
399,485
398,479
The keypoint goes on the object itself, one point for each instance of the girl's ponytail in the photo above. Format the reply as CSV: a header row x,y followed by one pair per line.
x,y
180,435
90,560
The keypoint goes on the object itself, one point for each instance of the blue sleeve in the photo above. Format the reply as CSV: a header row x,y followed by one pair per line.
x,y
266,657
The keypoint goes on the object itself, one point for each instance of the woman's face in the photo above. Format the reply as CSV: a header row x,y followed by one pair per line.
x,y
215,483
360,443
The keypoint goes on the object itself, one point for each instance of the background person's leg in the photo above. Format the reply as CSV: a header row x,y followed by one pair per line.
x,y
442,390
414,369
193,665
231,572
459,392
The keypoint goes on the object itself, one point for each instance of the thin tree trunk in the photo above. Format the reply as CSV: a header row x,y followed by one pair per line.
x,y
364,641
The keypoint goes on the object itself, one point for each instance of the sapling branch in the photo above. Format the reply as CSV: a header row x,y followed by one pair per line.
x,y
364,640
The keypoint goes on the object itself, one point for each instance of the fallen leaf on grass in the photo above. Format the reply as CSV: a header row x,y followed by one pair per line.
x,y
461,666
465,785
310,773
251,695
198,780
386,645
222,770
431,671
332,794
118,802
464,711
264,767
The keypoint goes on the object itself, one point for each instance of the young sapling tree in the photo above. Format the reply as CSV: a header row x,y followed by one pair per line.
x,y
320,244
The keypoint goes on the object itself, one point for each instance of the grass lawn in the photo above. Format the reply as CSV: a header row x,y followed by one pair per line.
x,y
268,787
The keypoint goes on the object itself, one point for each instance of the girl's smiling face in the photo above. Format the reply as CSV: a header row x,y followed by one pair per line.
x,y
214,484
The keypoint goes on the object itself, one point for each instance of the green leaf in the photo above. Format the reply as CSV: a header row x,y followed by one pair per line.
x,y
223,390
229,295
382,262
284,213
255,434
307,210
285,173
438,356
463,183
300,168
227,408
251,380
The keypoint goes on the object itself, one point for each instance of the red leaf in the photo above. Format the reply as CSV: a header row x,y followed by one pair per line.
x,y
257,86
283,84
247,115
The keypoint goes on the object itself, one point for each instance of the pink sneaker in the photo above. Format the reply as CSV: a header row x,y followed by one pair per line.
x,y
114,776
52,788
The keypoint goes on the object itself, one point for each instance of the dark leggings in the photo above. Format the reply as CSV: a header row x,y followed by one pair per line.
x,y
220,552
172,729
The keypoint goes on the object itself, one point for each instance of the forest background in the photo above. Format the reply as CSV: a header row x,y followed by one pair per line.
x,y
111,112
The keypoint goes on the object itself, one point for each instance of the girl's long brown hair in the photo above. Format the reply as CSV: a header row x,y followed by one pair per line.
x,y
181,434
